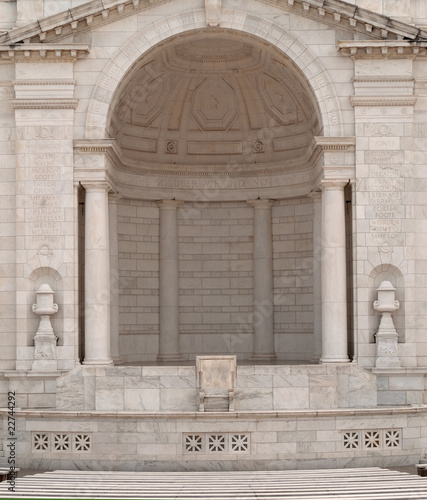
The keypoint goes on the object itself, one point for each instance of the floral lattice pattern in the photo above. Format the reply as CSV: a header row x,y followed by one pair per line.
x,y
239,443
40,441
226,442
193,443
82,442
61,442
372,439
351,440
216,442
77,442
392,438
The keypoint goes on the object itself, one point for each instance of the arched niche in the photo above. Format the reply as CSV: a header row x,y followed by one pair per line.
x,y
235,23
387,272
210,116
51,277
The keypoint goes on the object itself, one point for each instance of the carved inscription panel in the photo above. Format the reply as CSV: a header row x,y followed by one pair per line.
x,y
43,169
385,185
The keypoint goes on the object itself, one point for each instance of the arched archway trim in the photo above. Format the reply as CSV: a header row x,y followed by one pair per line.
x,y
137,46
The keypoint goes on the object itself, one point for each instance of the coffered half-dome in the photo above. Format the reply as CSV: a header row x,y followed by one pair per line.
x,y
212,98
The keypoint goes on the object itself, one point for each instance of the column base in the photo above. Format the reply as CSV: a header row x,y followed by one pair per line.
x,y
264,356
344,359
169,357
98,362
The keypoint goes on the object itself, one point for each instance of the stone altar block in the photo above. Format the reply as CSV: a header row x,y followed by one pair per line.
x,y
216,378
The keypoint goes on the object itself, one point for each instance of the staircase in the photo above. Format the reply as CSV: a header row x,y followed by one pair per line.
x,y
337,484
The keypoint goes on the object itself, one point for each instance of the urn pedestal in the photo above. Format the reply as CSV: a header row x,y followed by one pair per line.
x,y
387,336
45,339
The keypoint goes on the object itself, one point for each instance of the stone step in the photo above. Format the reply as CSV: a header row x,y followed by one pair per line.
x,y
342,484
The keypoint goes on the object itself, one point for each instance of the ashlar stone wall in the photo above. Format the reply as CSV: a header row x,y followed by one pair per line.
x,y
215,246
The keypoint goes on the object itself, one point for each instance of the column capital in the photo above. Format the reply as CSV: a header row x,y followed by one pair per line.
x,y
315,195
114,198
169,204
333,185
260,204
94,186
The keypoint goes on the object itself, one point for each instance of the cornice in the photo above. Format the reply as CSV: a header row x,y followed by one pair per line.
x,y
378,49
342,15
44,103
386,100
336,13
88,15
43,52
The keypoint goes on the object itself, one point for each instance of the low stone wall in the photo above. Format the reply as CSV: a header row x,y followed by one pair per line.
x,y
401,386
219,441
258,387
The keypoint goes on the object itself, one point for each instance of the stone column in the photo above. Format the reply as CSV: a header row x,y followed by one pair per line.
x,y
317,275
168,282
97,275
334,296
114,276
263,281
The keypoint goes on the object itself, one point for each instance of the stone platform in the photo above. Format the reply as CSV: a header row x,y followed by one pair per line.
x,y
218,441
370,483
257,388
146,418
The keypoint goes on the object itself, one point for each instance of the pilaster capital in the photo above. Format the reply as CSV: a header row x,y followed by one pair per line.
x,y
261,204
33,103
316,196
333,185
336,144
114,198
169,204
383,100
96,186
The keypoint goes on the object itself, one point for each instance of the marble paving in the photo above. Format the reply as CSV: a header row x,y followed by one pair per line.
x,y
363,483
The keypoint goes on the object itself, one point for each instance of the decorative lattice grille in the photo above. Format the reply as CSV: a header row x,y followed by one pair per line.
x,y
224,442
77,442
392,438
372,439
82,442
216,442
61,442
193,443
239,443
351,440
41,441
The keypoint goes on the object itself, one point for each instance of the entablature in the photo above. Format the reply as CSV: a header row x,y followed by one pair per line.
x,y
98,159
335,13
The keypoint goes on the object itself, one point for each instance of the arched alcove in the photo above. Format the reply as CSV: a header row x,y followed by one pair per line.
x,y
212,99
387,272
159,32
49,276
215,118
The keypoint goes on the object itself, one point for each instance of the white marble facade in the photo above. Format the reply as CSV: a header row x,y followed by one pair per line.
x,y
212,178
